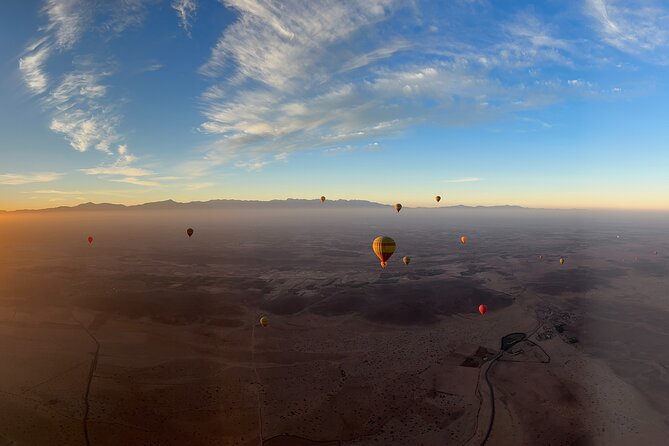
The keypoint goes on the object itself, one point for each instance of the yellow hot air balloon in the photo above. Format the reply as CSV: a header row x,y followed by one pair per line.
x,y
464,239
406,260
264,322
322,198
438,198
383,247
398,207
561,261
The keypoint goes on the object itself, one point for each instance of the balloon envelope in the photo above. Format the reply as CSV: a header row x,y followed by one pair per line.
x,y
438,198
264,322
561,261
406,260
483,309
464,239
398,207
383,247
90,239
322,198
189,231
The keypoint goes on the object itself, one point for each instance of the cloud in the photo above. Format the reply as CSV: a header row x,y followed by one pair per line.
x,y
123,14
118,170
137,181
637,27
185,10
272,43
329,74
81,112
56,192
152,67
464,180
31,66
27,178
199,186
67,20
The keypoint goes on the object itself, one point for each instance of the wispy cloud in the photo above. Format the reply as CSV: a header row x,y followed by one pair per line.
x,y
27,178
118,170
638,27
81,112
307,75
67,20
137,181
123,14
464,180
32,66
152,67
56,192
185,10
199,186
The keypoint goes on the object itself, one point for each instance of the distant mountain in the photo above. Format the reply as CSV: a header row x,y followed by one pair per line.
x,y
247,204
214,204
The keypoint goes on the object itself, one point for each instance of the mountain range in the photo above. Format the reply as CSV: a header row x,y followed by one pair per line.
x,y
232,204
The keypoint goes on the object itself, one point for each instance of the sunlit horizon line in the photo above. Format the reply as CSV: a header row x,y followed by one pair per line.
x,y
404,206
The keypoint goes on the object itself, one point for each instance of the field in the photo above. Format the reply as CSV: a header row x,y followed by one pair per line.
x,y
150,337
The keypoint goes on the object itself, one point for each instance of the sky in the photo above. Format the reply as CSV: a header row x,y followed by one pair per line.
x,y
554,103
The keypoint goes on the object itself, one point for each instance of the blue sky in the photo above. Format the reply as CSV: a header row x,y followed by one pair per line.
x,y
549,104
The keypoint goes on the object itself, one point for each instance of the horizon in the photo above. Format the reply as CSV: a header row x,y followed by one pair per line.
x,y
551,105
329,201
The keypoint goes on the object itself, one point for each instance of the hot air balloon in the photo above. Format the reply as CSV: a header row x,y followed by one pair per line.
x,y
406,260
90,239
561,261
383,247
464,239
189,231
322,198
438,198
654,252
541,257
398,207
483,309
264,322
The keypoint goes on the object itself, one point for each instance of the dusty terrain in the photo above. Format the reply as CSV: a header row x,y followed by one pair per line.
x,y
149,337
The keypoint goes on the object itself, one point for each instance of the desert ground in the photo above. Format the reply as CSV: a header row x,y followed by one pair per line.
x,y
149,337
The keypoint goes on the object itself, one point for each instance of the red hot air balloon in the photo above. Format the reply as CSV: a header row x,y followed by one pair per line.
x,y
483,309
90,239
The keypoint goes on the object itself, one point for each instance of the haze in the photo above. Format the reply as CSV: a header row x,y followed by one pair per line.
x,y
353,354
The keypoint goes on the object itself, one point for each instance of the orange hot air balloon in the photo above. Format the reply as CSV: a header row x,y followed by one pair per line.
x,y
483,309
383,247
90,239
398,207
322,198
561,261
189,231
438,198
264,322
406,260
464,239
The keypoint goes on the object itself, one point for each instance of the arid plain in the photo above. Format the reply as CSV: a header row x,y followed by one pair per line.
x,y
149,337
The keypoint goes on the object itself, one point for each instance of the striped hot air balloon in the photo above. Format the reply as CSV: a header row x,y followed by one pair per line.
x,y
383,247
